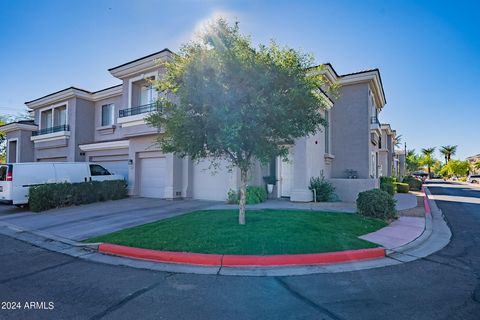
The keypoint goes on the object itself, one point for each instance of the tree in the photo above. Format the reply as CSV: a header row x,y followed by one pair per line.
x,y
476,166
398,140
3,147
448,152
455,168
412,161
237,103
428,159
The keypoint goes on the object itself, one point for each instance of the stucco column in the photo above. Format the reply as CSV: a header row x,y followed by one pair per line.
x,y
173,176
187,177
300,179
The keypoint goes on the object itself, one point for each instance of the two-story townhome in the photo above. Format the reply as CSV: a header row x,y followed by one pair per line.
x,y
108,127
386,150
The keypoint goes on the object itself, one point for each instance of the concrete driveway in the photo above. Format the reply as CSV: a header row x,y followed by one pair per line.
x,y
82,222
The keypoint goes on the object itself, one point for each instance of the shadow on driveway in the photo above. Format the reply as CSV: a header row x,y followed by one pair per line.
x,y
85,221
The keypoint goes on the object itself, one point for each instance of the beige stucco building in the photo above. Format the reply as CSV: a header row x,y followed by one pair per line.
x,y
108,127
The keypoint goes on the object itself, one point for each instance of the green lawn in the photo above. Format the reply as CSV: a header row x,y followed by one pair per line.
x,y
267,232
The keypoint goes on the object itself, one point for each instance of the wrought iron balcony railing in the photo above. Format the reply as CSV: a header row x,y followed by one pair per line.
x,y
138,110
374,120
64,127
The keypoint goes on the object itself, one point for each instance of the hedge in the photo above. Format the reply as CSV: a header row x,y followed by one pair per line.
x,y
387,184
402,187
376,203
413,184
55,195
255,194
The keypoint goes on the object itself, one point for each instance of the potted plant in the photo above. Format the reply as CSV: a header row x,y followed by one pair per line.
x,y
270,181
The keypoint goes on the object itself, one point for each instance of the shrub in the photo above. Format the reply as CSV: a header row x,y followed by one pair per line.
x,y
323,188
270,179
413,184
255,194
376,203
387,184
463,179
55,195
232,196
402,187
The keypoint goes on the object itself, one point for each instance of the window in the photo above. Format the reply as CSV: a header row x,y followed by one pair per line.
x,y
148,94
97,170
60,116
107,114
327,132
3,173
46,119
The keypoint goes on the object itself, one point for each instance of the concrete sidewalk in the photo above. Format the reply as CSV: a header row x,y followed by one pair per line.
x,y
404,202
398,233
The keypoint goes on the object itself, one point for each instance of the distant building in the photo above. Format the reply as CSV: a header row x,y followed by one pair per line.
x,y
474,159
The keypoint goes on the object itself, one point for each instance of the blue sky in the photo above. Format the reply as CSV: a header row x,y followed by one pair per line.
x,y
428,52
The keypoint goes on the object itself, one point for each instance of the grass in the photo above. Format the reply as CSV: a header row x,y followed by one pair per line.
x,y
266,232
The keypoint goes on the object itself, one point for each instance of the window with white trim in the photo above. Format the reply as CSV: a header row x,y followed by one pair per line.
x,y
107,114
327,132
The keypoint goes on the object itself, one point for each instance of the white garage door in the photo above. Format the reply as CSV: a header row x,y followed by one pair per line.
x,y
210,184
152,177
114,164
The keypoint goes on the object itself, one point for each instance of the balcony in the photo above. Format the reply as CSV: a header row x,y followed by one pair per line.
x,y
374,120
61,128
138,110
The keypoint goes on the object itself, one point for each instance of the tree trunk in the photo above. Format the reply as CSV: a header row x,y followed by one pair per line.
x,y
243,194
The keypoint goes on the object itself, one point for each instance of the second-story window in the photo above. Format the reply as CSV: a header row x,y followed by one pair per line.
x,y
46,119
148,94
60,116
107,114
327,132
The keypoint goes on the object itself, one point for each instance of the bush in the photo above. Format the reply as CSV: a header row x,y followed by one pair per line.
x,y
376,203
232,196
387,184
270,179
463,179
323,189
55,195
255,194
413,184
402,187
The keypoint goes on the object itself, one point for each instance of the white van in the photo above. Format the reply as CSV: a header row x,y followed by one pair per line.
x,y
17,178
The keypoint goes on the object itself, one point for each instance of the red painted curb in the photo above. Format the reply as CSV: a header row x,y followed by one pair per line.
x,y
426,204
163,256
304,259
240,260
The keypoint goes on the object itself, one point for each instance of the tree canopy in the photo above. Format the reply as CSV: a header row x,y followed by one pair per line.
x,y
221,98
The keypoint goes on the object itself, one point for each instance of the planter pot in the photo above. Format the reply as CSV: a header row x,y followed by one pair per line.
x,y
270,188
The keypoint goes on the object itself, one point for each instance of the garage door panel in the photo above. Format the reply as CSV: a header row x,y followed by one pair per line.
x,y
210,184
114,164
152,177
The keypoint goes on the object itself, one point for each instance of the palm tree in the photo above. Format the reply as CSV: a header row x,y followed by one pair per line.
x,y
428,159
412,161
398,140
476,166
448,152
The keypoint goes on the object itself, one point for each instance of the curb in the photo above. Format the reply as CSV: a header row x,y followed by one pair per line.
x,y
426,203
220,260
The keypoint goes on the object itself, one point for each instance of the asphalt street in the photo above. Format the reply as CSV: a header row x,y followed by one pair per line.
x,y
445,285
